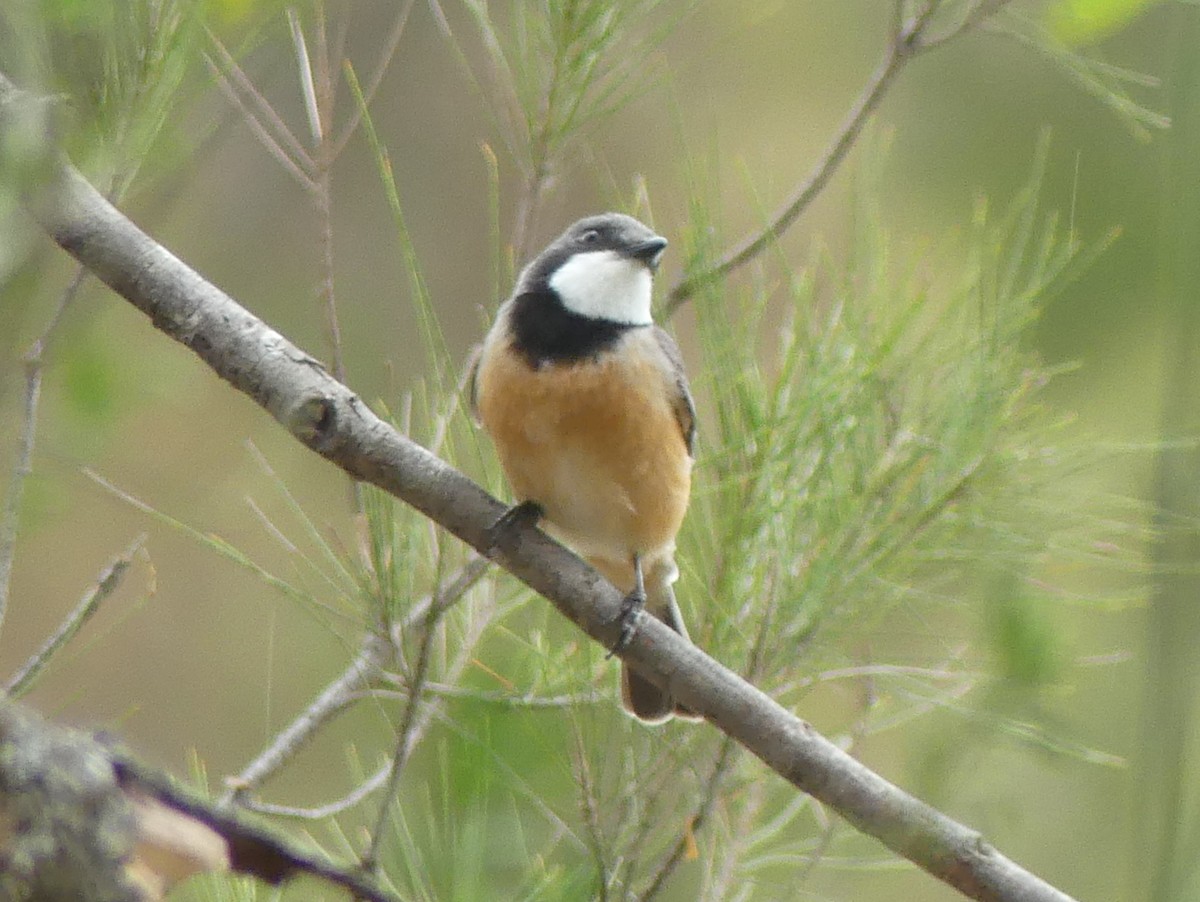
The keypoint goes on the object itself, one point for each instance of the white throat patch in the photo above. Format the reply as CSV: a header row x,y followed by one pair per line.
x,y
605,285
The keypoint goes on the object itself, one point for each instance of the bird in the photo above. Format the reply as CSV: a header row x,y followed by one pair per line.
x,y
587,404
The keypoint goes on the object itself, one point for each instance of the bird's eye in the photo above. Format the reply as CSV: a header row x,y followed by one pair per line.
x,y
591,236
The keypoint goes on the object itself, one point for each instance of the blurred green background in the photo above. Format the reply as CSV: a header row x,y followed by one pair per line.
x,y
193,655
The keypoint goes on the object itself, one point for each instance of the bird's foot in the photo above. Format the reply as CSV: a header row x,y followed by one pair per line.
x,y
526,513
631,610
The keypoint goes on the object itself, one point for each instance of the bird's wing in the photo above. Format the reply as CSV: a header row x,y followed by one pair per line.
x,y
685,409
471,384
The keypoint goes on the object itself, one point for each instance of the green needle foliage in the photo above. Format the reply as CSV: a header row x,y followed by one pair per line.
x,y
875,436
555,68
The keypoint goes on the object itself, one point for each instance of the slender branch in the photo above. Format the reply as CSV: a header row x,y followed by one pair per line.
x,y
590,810
297,170
726,758
331,420
380,777
458,586
907,41
269,120
330,809
317,88
507,699
23,465
405,742
368,666
751,246
323,192
110,577
406,738
341,692
975,16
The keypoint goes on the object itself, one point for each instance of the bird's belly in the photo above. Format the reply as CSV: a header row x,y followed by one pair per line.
x,y
602,510
596,444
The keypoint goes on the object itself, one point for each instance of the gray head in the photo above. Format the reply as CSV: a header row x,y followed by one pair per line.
x,y
600,268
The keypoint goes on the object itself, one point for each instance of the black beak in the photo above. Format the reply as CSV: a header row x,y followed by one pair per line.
x,y
648,251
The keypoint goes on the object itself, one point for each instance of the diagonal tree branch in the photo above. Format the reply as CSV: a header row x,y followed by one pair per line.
x,y
341,692
327,417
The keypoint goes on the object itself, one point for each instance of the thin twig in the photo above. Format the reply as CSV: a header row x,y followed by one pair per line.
x,y
268,118
406,737
913,30
459,585
295,169
975,16
323,192
881,79
330,809
506,699
318,90
590,805
110,577
741,833
725,760
16,488
348,687
906,42
23,464
885,670
341,691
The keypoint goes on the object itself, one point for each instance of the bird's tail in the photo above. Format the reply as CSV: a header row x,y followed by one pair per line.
x,y
642,698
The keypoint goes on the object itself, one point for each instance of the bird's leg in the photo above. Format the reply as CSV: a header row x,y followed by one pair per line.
x,y
526,513
631,608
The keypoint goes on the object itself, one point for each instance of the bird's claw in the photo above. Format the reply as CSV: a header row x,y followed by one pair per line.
x,y
526,513
631,611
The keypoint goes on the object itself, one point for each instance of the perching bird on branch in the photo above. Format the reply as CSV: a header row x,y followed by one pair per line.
x,y
587,403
